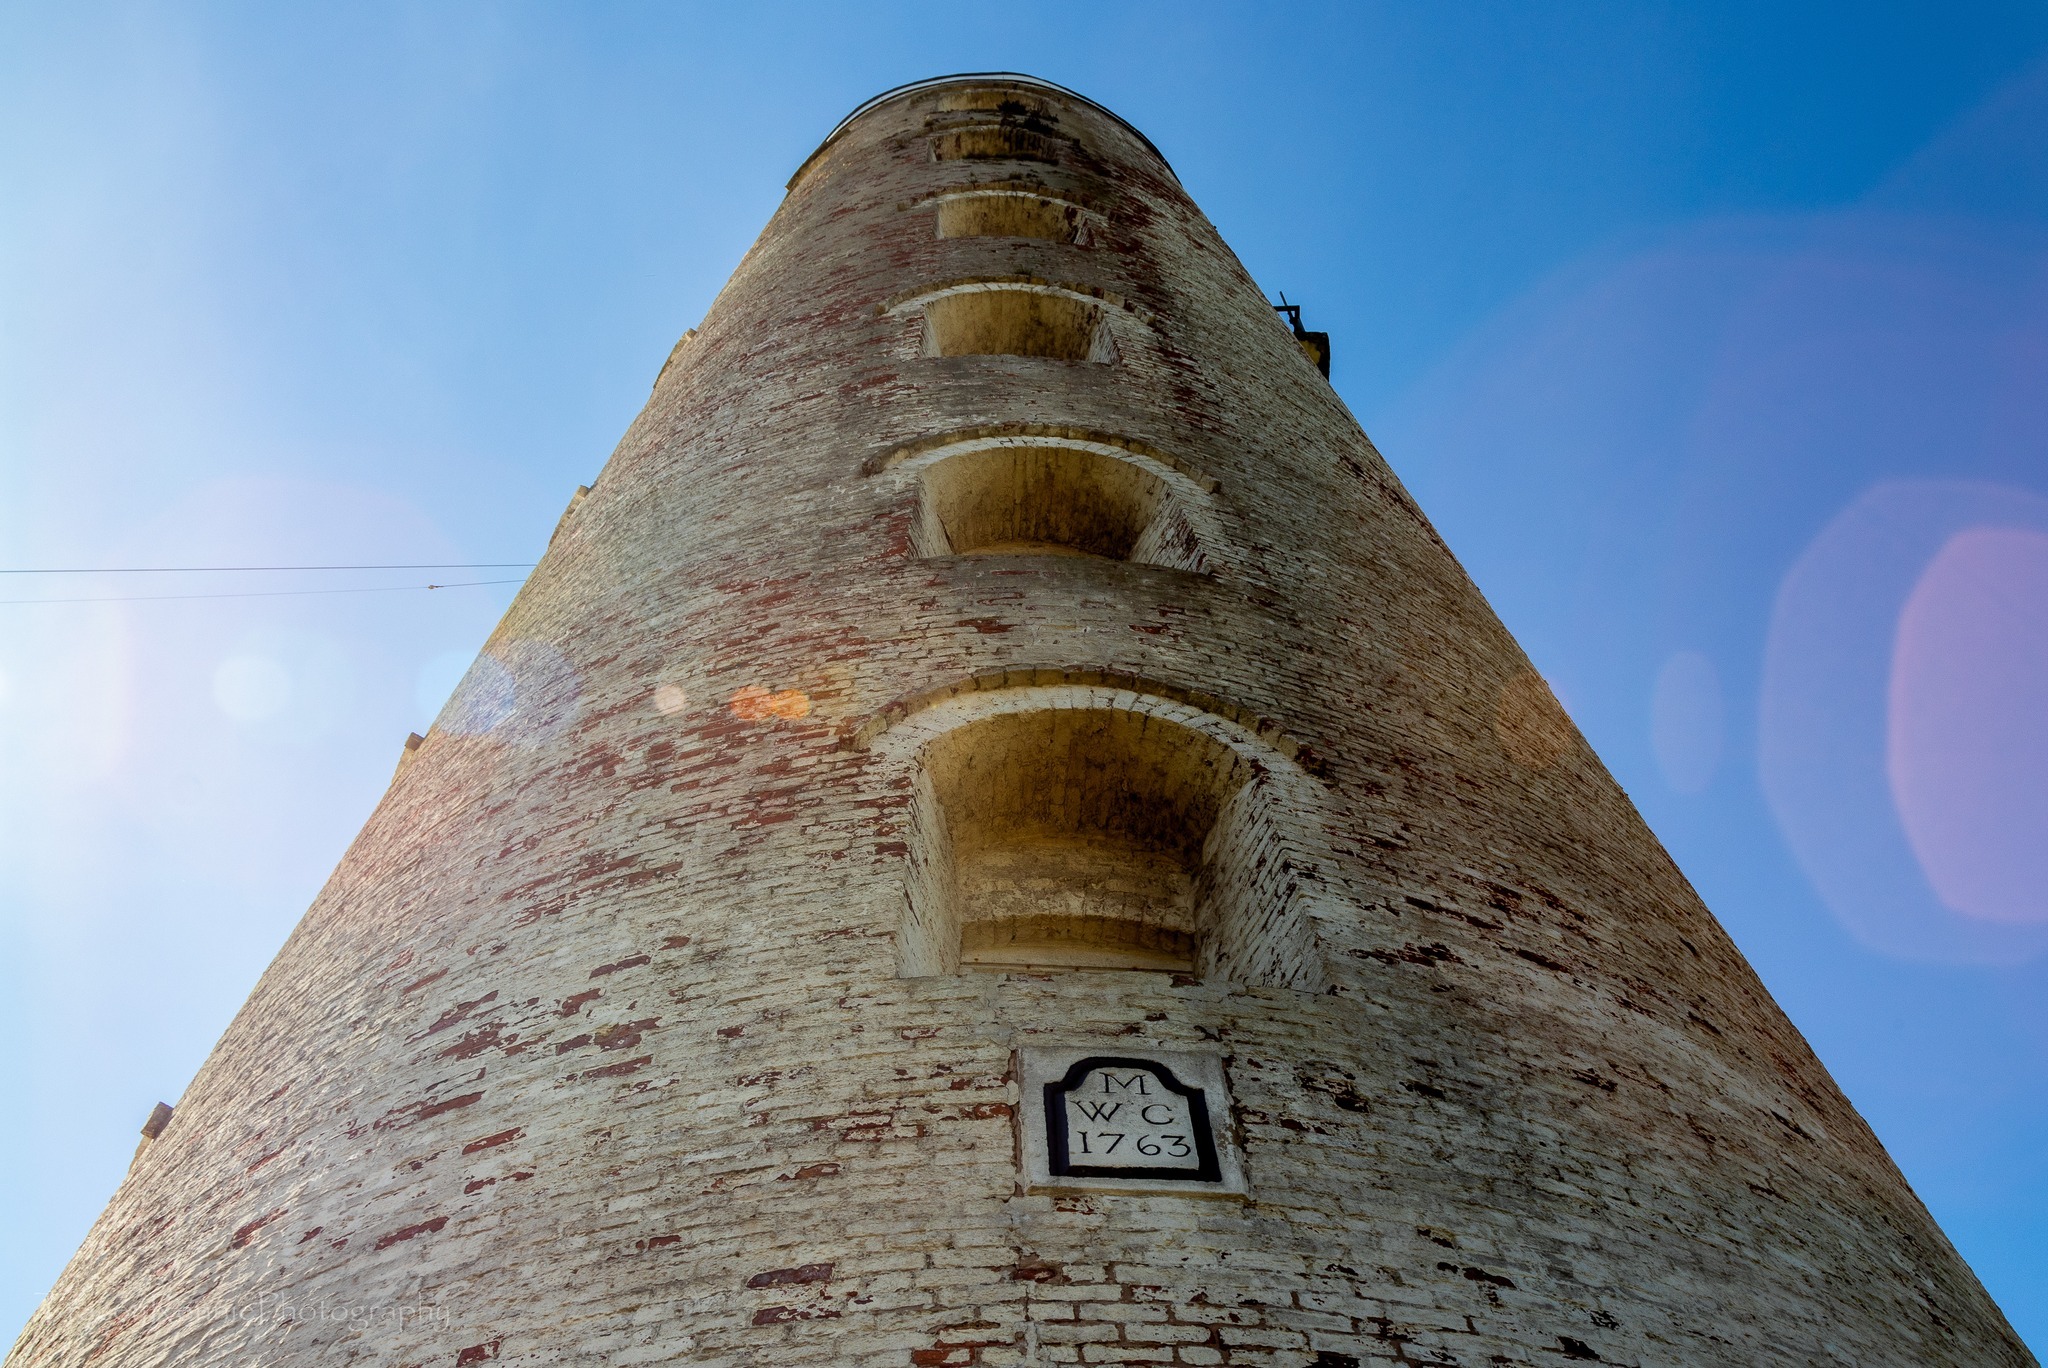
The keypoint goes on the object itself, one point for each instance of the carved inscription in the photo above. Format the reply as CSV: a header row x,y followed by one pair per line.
x,y
1119,1115
1115,1117
1139,1121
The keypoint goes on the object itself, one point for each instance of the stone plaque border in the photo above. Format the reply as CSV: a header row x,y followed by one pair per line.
x,y
1059,1160
1045,1076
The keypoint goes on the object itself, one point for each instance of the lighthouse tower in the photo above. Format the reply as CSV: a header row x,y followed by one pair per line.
x,y
998,834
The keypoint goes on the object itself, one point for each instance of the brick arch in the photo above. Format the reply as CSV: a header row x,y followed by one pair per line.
x,y
917,449
1016,315
1009,214
1038,796
1260,732
1011,208
1166,516
911,300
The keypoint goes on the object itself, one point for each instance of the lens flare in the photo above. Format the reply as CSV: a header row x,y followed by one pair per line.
x,y
483,699
752,703
522,692
251,688
1687,721
1901,709
670,699
1967,733
437,681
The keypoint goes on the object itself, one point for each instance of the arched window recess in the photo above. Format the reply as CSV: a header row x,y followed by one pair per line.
x,y
1015,316
1079,827
1013,493
1011,209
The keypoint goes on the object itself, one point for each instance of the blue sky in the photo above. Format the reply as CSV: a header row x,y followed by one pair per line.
x,y
1713,338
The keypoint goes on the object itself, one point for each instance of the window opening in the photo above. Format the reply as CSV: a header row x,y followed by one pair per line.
x,y
1016,321
1051,500
1010,213
1076,827
995,142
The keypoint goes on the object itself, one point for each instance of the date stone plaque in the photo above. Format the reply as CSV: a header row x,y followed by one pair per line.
x,y
1114,1119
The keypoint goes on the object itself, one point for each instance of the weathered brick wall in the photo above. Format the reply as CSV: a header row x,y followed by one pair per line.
x,y
594,1048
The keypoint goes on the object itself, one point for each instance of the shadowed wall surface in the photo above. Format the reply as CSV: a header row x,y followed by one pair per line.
x,y
604,1044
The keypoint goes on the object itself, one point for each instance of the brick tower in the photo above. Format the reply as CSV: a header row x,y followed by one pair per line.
x,y
998,834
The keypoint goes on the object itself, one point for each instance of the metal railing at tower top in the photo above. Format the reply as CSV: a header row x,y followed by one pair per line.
x,y
978,78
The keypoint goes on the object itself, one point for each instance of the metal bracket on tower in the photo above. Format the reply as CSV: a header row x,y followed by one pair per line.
x,y
1314,345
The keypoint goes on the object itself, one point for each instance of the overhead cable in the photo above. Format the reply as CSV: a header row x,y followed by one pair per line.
x,y
228,569
264,593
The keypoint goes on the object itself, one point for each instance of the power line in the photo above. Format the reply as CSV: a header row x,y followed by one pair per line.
x,y
265,593
228,569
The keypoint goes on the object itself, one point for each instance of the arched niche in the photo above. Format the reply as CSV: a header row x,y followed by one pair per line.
x,y
1081,828
1017,320
1005,141
1054,495
1008,211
